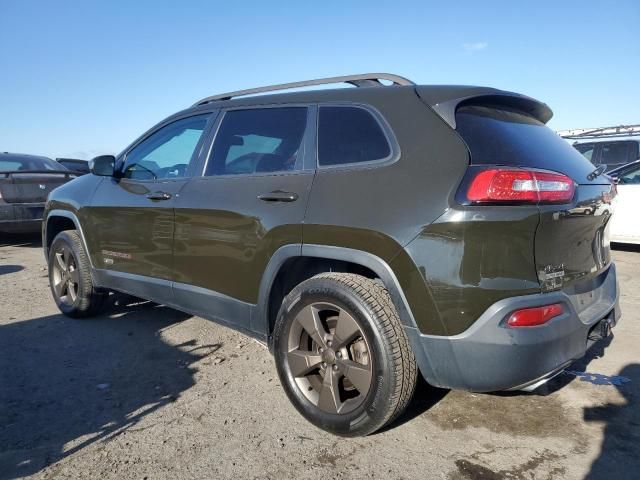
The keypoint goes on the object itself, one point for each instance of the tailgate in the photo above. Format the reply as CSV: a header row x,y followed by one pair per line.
x,y
8,190
29,187
572,244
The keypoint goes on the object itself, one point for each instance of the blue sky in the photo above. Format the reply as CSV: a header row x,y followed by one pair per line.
x,y
87,77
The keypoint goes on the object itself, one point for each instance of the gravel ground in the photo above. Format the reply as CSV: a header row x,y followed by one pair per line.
x,y
148,392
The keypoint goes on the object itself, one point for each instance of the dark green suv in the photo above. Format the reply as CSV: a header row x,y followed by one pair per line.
x,y
367,234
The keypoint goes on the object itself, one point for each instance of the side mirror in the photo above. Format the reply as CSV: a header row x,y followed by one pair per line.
x,y
103,165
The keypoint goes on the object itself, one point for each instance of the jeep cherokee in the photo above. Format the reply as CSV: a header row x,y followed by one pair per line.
x,y
366,234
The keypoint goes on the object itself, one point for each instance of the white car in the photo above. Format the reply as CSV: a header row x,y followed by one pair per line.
x,y
625,223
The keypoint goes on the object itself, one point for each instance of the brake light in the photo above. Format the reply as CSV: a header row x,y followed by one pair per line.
x,y
531,317
521,186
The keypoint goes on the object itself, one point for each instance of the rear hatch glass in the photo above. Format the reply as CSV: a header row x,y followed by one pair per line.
x,y
498,136
26,179
571,241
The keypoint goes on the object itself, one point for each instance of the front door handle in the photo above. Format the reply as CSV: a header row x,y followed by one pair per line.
x,y
159,196
278,196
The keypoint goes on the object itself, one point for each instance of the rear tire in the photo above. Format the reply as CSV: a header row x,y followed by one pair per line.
x,y
342,355
70,277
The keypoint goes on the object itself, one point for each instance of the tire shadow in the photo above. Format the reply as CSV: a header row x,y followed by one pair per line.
x,y
66,384
424,398
626,247
620,453
28,240
7,269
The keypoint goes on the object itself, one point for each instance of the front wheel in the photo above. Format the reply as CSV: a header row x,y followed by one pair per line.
x,y
70,277
342,354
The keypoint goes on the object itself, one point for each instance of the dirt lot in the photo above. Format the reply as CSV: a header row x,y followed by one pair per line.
x,y
148,392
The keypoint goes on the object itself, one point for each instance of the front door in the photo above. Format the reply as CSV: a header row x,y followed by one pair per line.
x,y
250,201
131,220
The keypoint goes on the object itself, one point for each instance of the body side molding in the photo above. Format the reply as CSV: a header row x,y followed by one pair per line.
x,y
196,301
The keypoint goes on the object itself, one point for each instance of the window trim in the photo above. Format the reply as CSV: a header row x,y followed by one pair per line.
x,y
392,142
306,142
191,170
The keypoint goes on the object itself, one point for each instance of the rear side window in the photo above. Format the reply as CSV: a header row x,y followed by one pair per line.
x,y
616,154
350,135
499,136
258,141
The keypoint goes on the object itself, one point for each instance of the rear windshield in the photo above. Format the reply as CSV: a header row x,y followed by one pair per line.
x,y
498,136
16,163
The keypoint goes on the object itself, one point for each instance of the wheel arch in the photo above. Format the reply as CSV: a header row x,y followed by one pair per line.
x,y
314,259
58,221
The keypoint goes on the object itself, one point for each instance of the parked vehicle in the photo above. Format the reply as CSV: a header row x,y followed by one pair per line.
x,y
612,153
625,225
367,234
25,182
81,167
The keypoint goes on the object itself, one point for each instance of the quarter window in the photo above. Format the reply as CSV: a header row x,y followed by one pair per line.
x,y
166,153
350,135
258,141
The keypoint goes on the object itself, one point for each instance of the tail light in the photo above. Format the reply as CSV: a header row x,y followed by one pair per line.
x,y
503,185
531,317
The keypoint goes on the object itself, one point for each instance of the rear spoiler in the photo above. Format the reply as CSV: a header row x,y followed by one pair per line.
x,y
447,107
66,173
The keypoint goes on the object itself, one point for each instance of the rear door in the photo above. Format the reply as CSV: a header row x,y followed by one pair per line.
x,y
571,240
249,202
130,225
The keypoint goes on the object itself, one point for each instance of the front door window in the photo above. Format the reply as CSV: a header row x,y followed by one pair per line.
x,y
166,153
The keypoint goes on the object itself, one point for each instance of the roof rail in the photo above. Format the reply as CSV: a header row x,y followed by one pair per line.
x,y
361,80
601,132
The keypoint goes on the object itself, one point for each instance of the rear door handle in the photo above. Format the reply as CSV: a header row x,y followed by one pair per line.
x,y
159,196
278,196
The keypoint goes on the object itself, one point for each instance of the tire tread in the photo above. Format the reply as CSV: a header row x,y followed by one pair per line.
x,y
377,298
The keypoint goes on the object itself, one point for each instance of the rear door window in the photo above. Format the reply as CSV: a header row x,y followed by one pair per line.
x,y
260,140
348,135
500,136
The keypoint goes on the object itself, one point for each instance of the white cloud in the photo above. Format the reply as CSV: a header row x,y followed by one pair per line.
x,y
475,46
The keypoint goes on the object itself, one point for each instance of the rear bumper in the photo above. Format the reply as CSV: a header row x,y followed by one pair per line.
x,y
21,217
490,357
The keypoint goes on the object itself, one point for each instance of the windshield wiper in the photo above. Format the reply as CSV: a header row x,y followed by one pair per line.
x,y
597,172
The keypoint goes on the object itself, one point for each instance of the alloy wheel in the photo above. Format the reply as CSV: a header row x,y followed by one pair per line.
x,y
66,277
329,358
